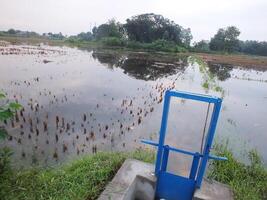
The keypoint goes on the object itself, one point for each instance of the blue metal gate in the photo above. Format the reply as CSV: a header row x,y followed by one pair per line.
x,y
171,186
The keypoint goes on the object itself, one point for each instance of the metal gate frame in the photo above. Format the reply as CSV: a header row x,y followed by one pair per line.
x,y
174,187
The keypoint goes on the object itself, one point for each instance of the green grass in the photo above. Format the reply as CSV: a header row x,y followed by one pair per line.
x,y
248,181
86,177
81,179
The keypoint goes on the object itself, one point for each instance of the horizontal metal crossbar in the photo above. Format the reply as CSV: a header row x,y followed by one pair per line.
x,y
193,96
183,151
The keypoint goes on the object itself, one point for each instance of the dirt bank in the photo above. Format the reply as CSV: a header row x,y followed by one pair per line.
x,y
257,62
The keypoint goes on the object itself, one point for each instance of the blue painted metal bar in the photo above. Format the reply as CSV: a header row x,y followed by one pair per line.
x,y
217,157
194,166
163,130
150,142
165,158
209,139
193,96
183,151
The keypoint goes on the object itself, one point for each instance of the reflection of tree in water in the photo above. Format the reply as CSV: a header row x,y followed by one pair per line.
x,y
106,58
222,71
143,66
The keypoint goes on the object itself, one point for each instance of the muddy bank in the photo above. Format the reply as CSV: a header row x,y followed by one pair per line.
x,y
254,62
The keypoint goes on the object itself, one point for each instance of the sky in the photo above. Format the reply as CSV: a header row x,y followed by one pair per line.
x,y
204,17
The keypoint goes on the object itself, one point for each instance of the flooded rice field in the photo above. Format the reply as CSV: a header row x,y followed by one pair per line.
x,y
77,102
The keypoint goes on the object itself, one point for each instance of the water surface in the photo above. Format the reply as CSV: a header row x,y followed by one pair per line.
x,y
83,101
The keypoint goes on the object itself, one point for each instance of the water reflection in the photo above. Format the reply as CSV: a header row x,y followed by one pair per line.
x,y
143,66
221,71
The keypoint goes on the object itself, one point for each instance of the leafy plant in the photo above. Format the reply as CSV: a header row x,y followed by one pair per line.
x,y
7,111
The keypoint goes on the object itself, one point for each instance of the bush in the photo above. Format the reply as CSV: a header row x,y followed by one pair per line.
x,y
5,154
112,41
247,181
158,45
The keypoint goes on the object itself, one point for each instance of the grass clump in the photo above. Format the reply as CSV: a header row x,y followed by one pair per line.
x,y
248,181
81,179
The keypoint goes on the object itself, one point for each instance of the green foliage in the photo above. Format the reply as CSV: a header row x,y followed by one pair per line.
x,y
5,154
249,182
3,134
225,40
112,41
202,46
11,31
150,27
54,36
6,112
82,179
158,45
253,47
210,75
88,36
2,95
110,29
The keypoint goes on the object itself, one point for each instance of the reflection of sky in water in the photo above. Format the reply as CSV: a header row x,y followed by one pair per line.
x,y
119,95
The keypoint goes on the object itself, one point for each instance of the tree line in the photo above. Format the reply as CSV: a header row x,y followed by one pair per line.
x,y
155,32
226,40
28,34
140,31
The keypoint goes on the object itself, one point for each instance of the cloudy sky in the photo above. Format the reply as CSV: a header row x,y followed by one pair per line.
x,y
204,17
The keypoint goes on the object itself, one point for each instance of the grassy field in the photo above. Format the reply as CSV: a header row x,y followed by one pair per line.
x,y
86,178
82,179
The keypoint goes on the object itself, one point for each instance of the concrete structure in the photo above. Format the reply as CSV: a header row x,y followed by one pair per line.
x,y
135,181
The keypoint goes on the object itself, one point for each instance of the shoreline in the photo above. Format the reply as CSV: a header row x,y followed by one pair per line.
x,y
238,60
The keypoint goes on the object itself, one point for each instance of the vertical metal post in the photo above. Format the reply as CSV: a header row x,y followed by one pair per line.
x,y
162,130
194,166
210,135
165,158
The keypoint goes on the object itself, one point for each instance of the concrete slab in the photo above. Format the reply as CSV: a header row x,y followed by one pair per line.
x,y
135,181
124,183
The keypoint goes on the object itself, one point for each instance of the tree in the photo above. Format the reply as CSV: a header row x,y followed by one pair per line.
x,y
253,47
151,27
110,29
11,31
225,40
202,45
85,36
231,39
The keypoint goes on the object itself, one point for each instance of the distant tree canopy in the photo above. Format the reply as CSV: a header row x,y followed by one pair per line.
x,y
253,47
225,40
20,33
85,36
110,29
202,45
150,27
11,31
